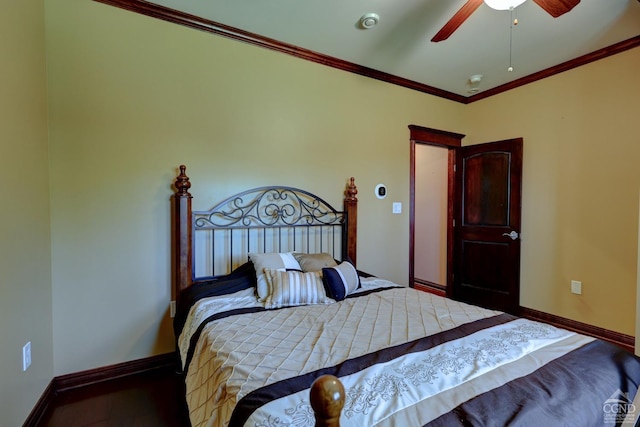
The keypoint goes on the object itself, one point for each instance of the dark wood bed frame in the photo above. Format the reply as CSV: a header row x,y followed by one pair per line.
x,y
327,393
183,228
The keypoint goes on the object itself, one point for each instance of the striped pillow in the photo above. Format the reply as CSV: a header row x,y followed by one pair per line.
x,y
288,288
274,260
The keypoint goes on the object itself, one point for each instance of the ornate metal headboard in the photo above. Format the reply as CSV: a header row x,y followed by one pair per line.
x,y
266,219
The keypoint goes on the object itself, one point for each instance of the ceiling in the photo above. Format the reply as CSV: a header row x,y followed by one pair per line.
x,y
400,44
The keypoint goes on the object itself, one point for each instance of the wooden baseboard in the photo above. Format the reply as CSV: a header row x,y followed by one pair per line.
x,y
93,376
37,413
625,341
105,373
429,287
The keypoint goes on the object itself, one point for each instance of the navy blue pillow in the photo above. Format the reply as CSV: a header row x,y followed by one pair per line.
x,y
340,281
243,277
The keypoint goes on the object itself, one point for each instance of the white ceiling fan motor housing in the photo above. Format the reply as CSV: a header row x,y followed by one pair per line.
x,y
503,4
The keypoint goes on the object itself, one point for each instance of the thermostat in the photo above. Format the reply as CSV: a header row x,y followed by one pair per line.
x,y
381,191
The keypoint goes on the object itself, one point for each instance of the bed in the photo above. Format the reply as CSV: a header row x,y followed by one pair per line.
x,y
275,326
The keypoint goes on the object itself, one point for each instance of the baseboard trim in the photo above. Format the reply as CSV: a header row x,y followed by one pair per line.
x,y
92,376
425,286
105,373
37,413
622,340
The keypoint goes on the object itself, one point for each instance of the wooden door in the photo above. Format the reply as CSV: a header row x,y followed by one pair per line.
x,y
487,218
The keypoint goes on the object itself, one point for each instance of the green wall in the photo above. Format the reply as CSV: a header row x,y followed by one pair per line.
x,y
25,264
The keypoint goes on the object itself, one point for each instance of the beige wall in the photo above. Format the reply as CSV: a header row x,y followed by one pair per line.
x,y
25,264
580,187
131,98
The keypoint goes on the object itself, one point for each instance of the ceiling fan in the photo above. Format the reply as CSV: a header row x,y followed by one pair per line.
x,y
555,8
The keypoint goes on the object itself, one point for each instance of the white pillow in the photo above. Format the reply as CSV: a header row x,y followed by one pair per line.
x,y
274,260
289,288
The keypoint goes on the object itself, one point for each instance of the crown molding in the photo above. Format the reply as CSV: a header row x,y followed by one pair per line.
x,y
171,15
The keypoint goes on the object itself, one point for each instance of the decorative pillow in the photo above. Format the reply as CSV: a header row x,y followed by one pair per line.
x,y
294,288
274,260
341,280
314,262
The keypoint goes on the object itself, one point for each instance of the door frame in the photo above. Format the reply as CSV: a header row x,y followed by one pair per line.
x,y
451,141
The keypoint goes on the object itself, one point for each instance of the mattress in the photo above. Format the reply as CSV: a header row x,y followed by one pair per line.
x,y
405,357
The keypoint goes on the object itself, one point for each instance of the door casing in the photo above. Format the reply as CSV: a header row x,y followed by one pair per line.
x,y
452,142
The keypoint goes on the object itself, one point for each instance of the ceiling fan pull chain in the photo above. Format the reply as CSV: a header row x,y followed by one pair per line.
x,y
510,69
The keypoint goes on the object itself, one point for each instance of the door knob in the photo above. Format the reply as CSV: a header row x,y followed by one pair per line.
x,y
513,235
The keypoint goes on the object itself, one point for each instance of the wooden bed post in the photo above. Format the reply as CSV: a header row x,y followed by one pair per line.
x,y
182,236
351,212
327,400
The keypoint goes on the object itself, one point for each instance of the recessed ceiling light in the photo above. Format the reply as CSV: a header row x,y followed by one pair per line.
x,y
369,20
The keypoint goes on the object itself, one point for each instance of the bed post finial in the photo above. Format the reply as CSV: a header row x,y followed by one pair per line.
x,y
327,400
351,191
351,213
182,183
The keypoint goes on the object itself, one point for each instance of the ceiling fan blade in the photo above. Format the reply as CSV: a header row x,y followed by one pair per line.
x,y
557,8
456,20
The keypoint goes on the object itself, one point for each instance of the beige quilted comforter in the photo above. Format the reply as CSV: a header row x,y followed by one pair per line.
x,y
240,353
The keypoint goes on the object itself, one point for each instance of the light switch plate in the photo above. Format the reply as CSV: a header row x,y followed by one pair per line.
x,y
26,356
397,207
576,287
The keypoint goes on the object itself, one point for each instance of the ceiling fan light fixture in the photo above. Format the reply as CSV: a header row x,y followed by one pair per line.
x,y
503,4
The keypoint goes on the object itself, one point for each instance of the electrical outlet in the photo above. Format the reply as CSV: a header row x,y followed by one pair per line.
x,y
172,309
576,287
26,356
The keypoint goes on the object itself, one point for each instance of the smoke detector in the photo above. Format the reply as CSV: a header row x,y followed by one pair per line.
x,y
369,20
474,82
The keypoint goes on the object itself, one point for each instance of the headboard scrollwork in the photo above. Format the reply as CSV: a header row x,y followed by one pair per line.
x,y
269,207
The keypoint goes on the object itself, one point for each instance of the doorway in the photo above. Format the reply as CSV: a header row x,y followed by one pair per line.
x,y
431,192
480,262
431,206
